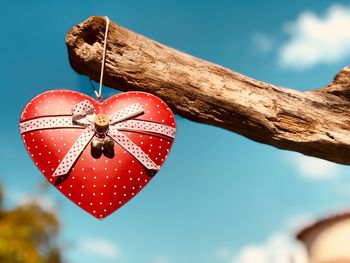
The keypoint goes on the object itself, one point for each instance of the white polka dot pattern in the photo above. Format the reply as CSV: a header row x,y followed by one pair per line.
x,y
74,152
99,185
145,126
133,149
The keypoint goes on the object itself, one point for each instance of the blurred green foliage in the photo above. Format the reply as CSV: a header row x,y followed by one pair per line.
x,y
28,234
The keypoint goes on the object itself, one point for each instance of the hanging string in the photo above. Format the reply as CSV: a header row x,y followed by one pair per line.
x,y
99,92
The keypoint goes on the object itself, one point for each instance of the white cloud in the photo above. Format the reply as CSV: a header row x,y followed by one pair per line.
x,y
262,42
317,39
312,168
99,247
20,198
43,201
223,253
278,248
161,260
294,224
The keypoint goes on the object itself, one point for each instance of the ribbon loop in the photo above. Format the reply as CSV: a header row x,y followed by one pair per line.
x,y
80,112
126,113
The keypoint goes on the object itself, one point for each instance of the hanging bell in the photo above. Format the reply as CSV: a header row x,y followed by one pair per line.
x,y
108,148
96,148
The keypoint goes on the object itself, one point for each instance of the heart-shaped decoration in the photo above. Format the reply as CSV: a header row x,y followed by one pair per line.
x,y
98,154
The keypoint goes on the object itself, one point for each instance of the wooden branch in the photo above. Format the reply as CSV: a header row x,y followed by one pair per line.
x,y
315,123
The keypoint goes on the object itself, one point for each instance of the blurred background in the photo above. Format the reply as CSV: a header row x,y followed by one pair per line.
x,y
219,197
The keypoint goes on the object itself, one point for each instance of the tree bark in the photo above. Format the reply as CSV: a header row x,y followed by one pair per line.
x,y
315,123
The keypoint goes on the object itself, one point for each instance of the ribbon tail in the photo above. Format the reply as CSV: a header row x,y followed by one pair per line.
x,y
74,152
133,149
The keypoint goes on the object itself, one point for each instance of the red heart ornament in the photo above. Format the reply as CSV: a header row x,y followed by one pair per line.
x,y
61,146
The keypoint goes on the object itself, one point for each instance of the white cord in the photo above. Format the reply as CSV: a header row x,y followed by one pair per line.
x,y
99,93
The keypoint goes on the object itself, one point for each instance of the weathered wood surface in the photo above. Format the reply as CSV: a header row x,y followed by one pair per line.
x,y
315,123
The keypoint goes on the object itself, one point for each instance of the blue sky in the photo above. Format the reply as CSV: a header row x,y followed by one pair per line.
x,y
219,196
